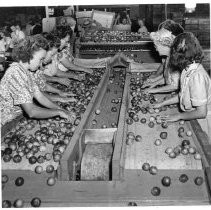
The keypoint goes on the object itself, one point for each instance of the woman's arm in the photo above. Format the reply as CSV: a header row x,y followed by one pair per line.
x,y
173,100
35,111
69,75
63,81
163,89
199,113
128,19
71,66
43,100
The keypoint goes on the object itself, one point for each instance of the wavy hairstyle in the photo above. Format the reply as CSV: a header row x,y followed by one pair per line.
x,y
25,49
52,39
185,51
172,26
63,31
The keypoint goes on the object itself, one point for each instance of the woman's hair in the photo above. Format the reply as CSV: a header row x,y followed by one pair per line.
x,y
185,51
63,31
172,26
53,40
25,49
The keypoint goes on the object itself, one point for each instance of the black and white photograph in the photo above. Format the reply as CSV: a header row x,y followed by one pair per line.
x,y
105,104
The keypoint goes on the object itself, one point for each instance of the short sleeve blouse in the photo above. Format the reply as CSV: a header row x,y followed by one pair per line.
x,y
195,87
16,87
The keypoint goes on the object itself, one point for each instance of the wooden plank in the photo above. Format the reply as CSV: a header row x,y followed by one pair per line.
x,y
202,140
118,149
145,41
72,150
136,187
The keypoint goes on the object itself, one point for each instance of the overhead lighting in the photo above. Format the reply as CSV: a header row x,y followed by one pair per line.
x,y
190,7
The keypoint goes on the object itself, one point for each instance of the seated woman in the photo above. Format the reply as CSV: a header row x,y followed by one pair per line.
x,y
90,25
18,87
143,29
42,80
195,84
122,22
163,40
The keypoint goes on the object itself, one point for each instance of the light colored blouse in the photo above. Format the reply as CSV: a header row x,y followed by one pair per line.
x,y
195,87
16,87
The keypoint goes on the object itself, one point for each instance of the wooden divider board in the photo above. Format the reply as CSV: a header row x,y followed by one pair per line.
x,y
106,116
146,151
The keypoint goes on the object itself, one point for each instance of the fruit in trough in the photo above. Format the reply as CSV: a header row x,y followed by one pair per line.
x,y
6,158
138,138
38,169
185,143
151,124
158,142
32,160
6,204
182,122
114,109
166,181
163,135
143,120
169,150
181,129
97,112
192,150
19,181
17,159
184,151
183,178
51,181
4,179
164,125
132,204
18,203
36,202
49,168
197,156
155,191
129,121
198,180
146,166
189,133
135,118
172,155
153,170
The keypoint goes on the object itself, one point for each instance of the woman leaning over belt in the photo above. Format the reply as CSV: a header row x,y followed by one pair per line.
x,y
18,87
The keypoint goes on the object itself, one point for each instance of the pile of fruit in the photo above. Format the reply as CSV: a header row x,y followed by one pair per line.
x,y
36,143
113,36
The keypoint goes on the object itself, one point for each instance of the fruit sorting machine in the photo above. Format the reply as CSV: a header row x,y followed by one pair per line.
x,y
118,154
102,44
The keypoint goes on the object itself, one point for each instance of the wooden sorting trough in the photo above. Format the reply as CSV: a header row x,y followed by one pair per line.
x,y
128,182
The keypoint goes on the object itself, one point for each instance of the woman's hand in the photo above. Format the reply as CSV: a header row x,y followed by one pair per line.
x,y
64,81
80,77
67,94
171,118
89,71
148,91
155,106
147,83
65,100
69,116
